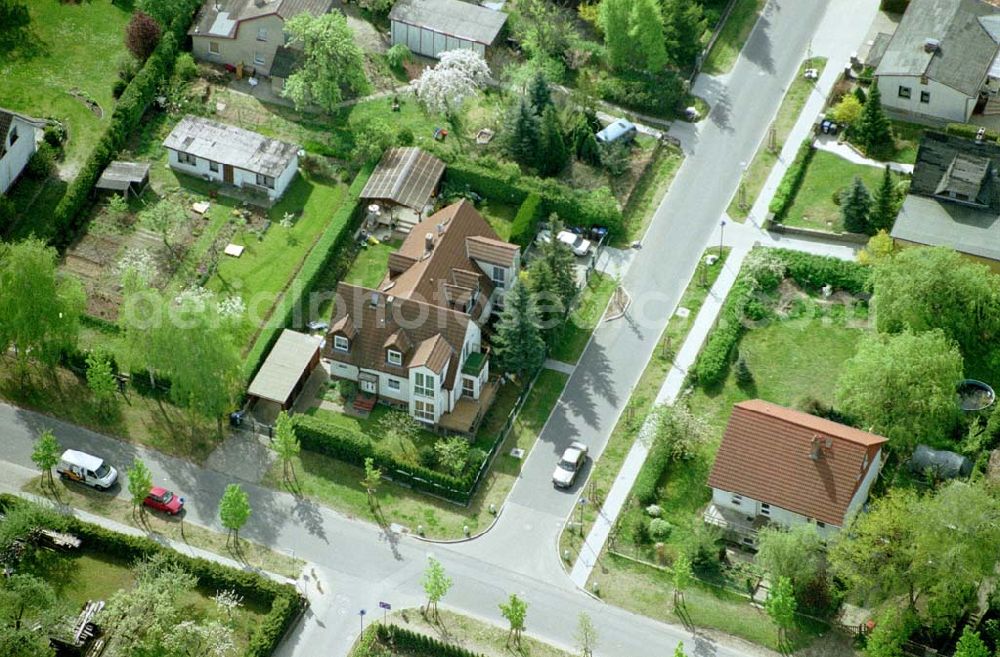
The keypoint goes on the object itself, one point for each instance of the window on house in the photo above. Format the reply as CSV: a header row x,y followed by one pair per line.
x,y
262,34
423,411
340,343
469,387
423,384
820,524
13,135
186,158
213,47
258,58
392,384
499,276
265,181
736,499
213,166
765,508
394,357
925,96
904,92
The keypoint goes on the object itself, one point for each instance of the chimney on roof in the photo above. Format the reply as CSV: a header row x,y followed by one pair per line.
x,y
388,303
429,242
931,45
816,450
440,228
374,299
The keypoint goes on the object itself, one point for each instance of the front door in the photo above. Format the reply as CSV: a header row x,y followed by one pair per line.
x,y
368,386
227,174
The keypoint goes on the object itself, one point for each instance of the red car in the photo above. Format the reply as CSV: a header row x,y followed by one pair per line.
x,y
164,500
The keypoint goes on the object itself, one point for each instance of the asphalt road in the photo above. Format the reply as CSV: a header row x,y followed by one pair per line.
x,y
356,565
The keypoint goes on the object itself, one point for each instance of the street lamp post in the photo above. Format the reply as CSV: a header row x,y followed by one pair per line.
x,y
361,615
722,229
582,502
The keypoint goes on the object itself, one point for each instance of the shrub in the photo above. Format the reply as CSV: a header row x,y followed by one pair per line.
x,y
43,163
712,365
658,94
525,223
141,35
654,511
186,68
405,136
659,529
812,272
744,377
413,643
55,135
398,55
427,456
118,88
791,182
765,268
347,389
646,484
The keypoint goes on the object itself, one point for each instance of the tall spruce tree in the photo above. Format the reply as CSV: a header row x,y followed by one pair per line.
x,y
552,153
614,20
855,204
519,345
874,129
884,207
539,93
525,133
646,31
683,26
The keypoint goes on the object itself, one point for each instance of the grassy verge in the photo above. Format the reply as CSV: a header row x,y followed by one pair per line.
x,y
474,635
627,430
648,192
765,158
582,321
137,419
734,34
828,175
161,525
337,484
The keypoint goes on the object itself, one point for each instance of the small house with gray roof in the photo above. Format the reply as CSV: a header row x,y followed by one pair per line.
x,y
224,153
954,198
19,135
943,62
247,32
431,27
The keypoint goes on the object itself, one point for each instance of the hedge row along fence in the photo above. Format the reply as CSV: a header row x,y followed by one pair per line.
x,y
525,223
354,447
328,251
285,602
809,271
784,196
970,131
68,217
596,207
406,641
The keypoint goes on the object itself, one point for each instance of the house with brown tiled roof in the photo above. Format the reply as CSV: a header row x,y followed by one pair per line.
x,y
778,466
417,340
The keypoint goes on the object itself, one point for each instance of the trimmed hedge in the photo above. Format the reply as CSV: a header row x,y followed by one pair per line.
x,y
809,271
525,222
969,131
329,246
644,488
354,447
596,207
413,643
285,601
68,217
784,196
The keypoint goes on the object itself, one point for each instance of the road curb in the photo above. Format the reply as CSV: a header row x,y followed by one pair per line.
x,y
467,539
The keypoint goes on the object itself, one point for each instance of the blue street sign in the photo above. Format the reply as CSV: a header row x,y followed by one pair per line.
x,y
384,605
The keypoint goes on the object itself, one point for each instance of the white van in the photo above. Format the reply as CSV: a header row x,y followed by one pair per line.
x,y
86,469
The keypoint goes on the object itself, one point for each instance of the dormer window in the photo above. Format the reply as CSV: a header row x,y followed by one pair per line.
x,y
341,343
394,357
499,276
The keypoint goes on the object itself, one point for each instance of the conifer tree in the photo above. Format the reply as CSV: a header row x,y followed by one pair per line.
x,y
855,204
518,343
525,132
874,130
683,26
552,153
646,31
539,93
884,207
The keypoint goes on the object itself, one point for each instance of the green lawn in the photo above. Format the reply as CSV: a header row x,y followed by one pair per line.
x,y
337,484
734,34
500,217
267,266
828,174
648,193
371,264
582,321
764,159
69,46
606,468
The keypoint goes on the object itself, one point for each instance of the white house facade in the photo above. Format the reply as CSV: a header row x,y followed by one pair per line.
x,y
19,136
232,156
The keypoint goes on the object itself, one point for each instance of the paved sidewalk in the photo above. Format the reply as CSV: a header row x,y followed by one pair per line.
x,y
830,144
559,366
619,492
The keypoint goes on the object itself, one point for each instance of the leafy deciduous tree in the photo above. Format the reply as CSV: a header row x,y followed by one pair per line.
x,y
848,111
436,584
453,454
458,75
586,634
332,60
903,386
796,553
372,481
614,18
286,443
515,610
141,35
46,453
234,509
781,605
371,138
140,480
101,380
681,577
971,645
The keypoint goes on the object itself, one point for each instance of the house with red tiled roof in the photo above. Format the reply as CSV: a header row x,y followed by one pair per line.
x,y
416,341
779,466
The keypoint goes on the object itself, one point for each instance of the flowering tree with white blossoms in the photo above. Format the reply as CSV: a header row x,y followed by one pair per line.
x,y
458,75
